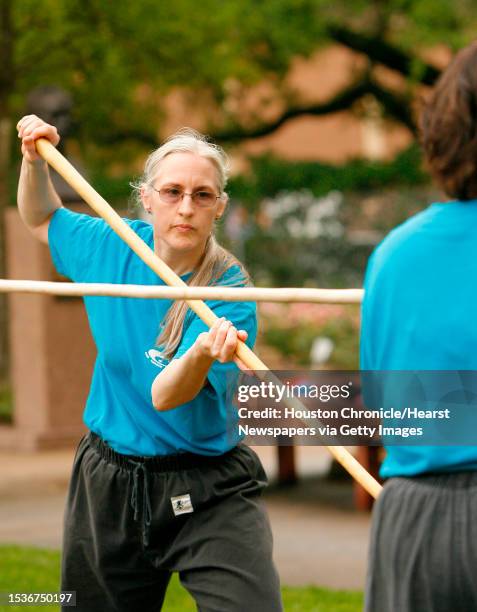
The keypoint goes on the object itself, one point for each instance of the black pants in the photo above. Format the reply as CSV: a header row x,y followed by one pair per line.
x,y
130,522
423,551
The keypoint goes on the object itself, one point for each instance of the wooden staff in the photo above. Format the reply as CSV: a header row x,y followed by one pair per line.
x,y
225,294
243,352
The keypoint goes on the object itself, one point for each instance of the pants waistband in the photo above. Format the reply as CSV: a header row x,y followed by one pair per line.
x,y
157,463
444,480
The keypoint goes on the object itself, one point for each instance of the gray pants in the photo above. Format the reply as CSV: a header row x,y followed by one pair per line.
x,y
423,551
130,522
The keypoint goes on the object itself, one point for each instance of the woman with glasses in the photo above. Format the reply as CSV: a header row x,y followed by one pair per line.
x,y
160,483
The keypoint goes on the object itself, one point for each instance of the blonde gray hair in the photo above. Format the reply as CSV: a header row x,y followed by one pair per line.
x,y
185,140
215,260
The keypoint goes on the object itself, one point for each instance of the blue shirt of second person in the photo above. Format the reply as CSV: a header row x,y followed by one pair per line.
x,y
418,313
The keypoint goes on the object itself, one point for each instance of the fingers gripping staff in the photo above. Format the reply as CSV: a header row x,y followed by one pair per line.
x,y
50,154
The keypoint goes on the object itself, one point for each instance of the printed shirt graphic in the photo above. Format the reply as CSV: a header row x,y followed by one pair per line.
x,y
418,313
119,406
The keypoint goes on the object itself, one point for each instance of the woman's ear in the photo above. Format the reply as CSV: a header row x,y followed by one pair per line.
x,y
224,198
145,199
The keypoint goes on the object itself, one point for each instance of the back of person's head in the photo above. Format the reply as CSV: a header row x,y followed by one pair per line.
x,y
448,126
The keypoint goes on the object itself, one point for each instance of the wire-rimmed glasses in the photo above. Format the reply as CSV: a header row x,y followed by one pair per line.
x,y
202,197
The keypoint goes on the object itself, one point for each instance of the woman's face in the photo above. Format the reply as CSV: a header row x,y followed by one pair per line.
x,y
184,226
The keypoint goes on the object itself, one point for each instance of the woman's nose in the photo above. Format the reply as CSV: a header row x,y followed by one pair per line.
x,y
186,205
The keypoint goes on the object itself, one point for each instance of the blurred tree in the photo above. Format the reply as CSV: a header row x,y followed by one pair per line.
x,y
394,34
119,58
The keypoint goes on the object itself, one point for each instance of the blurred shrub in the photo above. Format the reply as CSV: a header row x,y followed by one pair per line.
x,y
270,175
299,239
292,328
315,224
115,190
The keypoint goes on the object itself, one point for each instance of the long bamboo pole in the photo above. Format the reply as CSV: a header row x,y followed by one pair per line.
x,y
226,294
243,352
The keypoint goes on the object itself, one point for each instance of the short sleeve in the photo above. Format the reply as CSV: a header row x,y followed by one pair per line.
x,y
75,240
243,315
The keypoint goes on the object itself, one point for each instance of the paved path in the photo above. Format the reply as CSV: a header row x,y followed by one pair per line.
x,y
319,538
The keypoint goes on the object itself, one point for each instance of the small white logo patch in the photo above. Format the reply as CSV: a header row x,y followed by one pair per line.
x,y
181,504
156,358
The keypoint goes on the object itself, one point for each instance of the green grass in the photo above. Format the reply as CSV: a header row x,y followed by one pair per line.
x,y
314,599
36,570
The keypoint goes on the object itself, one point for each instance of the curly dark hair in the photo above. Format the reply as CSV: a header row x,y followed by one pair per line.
x,y
448,126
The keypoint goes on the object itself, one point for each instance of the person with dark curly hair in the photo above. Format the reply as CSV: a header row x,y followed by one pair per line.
x,y
418,314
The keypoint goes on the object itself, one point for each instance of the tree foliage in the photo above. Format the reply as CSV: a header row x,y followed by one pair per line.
x,y
120,59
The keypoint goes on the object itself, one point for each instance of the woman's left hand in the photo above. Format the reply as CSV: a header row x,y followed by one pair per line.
x,y
220,342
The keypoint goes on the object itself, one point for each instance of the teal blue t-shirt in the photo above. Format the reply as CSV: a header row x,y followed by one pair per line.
x,y
119,406
419,313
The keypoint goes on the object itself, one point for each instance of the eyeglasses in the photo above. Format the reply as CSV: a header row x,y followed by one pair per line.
x,y
202,198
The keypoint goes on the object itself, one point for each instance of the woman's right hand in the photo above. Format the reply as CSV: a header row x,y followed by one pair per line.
x,y
30,128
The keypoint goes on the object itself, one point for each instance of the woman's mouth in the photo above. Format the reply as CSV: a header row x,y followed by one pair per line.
x,y
183,228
